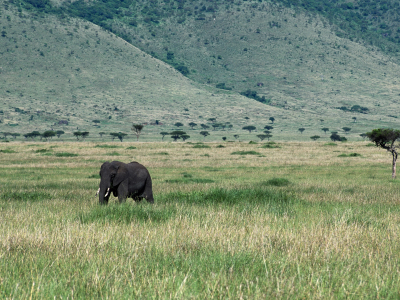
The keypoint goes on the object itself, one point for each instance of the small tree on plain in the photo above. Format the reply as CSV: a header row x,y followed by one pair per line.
x,y
354,119
163,133
192,125
204,126
325,129
101,134
178,124
6,134
272,119
59,133
14,135
77,134
337,138
301,130
137,129
121,136
184,137
48,134
216,125
113,135
224,138
204,133
85,134
236,136
363,135
315,137
250,128
385,139
262,137
268,127
177,134
346,129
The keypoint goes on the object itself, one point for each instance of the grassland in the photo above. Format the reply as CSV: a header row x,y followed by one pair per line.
x,y
301,220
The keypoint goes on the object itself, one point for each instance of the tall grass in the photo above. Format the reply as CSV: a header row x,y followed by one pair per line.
x,y
302,224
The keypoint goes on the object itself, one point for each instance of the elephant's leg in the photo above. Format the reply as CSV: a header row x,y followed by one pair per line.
x,y
148,191
122,193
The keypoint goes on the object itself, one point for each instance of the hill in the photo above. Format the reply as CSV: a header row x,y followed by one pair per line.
x,y
242,64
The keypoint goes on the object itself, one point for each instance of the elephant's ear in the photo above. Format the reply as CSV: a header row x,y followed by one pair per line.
x,y
122,174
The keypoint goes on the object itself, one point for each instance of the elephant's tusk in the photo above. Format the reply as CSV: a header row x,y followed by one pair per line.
x,y
108,190
98,191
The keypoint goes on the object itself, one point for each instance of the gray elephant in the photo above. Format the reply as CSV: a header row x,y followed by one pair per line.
x,y
124,180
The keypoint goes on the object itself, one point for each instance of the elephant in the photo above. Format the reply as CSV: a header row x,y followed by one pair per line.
x,y
124,180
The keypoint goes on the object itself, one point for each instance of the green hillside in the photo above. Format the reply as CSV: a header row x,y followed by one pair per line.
x,y
240,62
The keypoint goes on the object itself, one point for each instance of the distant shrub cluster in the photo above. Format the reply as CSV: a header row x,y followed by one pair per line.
x,y
253,95
355,108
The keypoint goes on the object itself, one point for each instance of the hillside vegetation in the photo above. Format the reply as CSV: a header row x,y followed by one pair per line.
x,y
241,62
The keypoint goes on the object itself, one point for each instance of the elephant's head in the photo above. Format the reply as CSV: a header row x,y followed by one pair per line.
x,y
111,174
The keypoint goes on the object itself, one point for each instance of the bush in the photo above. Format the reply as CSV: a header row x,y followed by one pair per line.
x,y
276,182
201,146
65,154
349,155
245,153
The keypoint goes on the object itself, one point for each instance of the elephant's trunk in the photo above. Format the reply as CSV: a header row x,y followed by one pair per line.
x,y
104,193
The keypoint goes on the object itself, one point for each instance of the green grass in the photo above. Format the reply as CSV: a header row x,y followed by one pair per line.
x,y
65,154
287,226
349,155
277,182
114,153
201,146
246,153
7,151
270,145
107,146
126,213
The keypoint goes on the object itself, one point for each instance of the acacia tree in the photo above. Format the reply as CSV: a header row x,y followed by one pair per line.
x,y
192,125
250,128
121,136
301,130
163,133
325,129
314,137
184,137
346,129
14,135
178,124
262,136
48,134
385,138
77,134
177,134
204,133
137,129
216,125
85,134
59,133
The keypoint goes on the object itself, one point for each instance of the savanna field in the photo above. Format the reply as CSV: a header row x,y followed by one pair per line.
x,y
230,220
